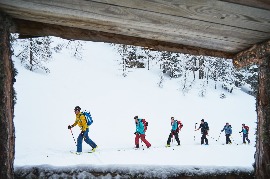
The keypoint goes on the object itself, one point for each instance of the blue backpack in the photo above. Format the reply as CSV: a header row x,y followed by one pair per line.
x,y
88,117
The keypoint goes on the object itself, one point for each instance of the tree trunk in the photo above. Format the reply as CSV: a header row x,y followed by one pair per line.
x,y
263,129
7,139
201,69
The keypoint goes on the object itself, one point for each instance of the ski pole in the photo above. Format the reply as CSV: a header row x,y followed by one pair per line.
x,y
73,137
233,140
219,136
195,129
212,137
240,133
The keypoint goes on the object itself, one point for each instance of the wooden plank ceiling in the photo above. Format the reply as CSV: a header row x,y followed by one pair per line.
x,y
199,27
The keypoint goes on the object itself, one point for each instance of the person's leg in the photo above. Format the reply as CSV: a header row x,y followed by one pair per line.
x,y
169,139
206,140
202,139
88,140
137,137
244,138
247,138
227,138
229,135
145,141
177,138
79,143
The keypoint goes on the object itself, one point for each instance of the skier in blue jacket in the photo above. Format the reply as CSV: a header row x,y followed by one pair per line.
x,y
245,130
174,132
228,132
140,132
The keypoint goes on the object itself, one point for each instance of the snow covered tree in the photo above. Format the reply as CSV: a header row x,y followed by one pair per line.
x,y
251,78
75,48
35,53
187,70
170,64
123,51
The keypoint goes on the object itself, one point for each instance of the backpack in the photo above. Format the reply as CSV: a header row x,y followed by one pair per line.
x,y
206,127
179,126
88,117
247,128
145,124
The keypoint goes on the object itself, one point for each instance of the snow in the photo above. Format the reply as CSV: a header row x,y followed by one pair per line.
x,y
45,104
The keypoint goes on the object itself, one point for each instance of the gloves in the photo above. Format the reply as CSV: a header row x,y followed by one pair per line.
x,y
239,132
69,127
146,123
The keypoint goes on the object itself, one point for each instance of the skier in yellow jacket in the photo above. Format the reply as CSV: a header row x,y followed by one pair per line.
x,y
81,122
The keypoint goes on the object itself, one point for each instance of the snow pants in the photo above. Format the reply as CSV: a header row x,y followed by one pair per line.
x,y
142,136
86,139
245,137
203,138
228,140
175,134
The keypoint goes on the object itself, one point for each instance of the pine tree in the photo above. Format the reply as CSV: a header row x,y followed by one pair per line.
x,y
35,53
75,48
251,78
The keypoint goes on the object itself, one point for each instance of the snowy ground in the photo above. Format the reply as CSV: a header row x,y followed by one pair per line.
x,y
45,106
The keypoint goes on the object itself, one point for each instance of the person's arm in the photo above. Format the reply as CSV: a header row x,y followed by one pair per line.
x,y
241,130
223,129
199,127
75,123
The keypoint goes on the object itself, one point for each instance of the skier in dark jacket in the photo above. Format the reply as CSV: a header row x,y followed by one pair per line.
x,y
174,132
228,131
204,131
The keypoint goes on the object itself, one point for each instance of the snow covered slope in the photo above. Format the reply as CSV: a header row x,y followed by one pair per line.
x,y
45,106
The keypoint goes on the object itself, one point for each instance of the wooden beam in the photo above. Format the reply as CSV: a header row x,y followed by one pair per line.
x,y
28,28
209,24
254,55
263,4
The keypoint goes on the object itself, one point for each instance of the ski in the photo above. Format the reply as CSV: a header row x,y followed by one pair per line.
x,y
80,153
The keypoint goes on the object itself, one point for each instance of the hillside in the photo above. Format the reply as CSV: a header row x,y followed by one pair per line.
x,y
45,104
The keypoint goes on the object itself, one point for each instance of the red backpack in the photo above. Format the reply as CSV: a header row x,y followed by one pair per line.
x,y
145,123
179,126
247,128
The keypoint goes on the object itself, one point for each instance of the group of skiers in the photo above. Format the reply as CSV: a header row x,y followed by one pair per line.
x,y
228,132
141,127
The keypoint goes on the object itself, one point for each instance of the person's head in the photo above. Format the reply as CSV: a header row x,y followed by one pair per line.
x,y
227,124
77,109
202,121
136,118
172,119
243,125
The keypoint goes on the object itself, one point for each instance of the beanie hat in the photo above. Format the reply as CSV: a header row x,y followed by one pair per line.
x,y
77,108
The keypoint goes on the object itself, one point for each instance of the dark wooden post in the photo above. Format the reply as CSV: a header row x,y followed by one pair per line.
x,y
7,137
260,54
263,128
